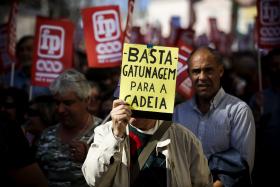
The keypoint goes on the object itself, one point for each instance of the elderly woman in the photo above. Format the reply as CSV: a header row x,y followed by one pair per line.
x,y
63,147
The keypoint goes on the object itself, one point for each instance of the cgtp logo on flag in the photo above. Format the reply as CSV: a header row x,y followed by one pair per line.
x,y
53,54
269,23
103,36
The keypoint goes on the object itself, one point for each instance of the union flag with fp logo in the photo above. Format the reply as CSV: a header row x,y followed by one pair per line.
x,y
53,50
103,36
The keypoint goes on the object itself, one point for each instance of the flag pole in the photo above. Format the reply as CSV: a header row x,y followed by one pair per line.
x,y
260,77
30,92
12,75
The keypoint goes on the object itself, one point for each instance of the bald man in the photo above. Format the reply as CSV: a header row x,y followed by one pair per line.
x,y
223,123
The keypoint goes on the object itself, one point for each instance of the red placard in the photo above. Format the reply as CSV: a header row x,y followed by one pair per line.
x,y
268,24
8,39
103,36
183,82
5,60
53,50
12,31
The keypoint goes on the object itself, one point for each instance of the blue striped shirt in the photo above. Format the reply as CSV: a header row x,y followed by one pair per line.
x,y
228,124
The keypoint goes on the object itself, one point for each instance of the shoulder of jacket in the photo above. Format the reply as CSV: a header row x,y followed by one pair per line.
x,y
180,131
106,127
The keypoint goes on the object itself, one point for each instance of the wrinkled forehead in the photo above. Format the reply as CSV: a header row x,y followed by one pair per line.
x,y
202,56
70,95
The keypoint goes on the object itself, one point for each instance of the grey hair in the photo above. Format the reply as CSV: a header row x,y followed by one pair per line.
x,y
71,81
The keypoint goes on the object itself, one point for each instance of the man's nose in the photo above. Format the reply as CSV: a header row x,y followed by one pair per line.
x,y
202,75
60,107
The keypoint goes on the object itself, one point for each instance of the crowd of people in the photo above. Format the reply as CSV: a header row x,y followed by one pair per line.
x,y
227,134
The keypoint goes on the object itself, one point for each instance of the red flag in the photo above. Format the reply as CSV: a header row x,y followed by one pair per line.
x,y
53,50
183,82
268,23
12,31
5,60
8,39
103,36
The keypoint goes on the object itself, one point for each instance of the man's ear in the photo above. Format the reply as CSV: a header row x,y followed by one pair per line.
x,y
221,70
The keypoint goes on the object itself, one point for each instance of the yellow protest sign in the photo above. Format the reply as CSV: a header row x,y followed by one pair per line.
x,y
148,77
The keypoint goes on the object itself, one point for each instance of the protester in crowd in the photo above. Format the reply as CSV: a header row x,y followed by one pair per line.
x,y
80,61
14,103
244,75
266,109
62,148
107,80
106,105
114,157
95,99
40,115
22,74
18,166
223,123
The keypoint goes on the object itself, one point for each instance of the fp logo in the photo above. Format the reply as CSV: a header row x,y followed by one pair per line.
x,y
270,12
106,25
51,42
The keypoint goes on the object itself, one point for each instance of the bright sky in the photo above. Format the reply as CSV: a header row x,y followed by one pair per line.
x,y
163,10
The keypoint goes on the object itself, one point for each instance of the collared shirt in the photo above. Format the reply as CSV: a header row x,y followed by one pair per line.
x,y
229,123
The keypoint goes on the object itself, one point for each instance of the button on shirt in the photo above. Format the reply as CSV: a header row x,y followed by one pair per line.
x,y
228,124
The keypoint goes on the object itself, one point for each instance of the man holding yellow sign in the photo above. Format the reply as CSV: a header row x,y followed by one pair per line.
x,y
144,151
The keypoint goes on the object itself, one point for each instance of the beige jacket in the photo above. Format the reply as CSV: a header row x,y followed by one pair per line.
x,y
107,162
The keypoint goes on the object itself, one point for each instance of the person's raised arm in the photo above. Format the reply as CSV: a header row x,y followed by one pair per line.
x,y
105,153
120,115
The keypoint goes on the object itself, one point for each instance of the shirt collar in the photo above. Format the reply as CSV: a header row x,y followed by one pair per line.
x,y
214,103
150,131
